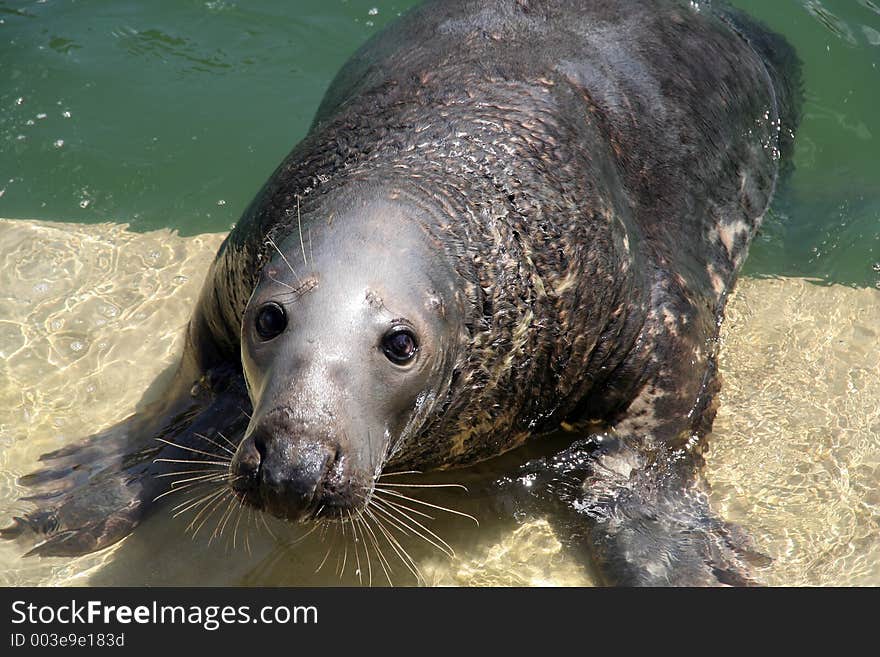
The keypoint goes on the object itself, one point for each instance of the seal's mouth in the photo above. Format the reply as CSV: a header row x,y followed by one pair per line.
x,y
297,478
371,517
325,503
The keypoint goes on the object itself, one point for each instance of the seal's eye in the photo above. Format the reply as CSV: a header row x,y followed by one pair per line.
x,y
400,346
271,321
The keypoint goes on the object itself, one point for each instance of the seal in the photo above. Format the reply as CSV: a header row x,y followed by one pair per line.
x,y
508,216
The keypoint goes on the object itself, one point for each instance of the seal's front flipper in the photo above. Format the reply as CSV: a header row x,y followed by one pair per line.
x,y
86,517
91,495
643,521
651,525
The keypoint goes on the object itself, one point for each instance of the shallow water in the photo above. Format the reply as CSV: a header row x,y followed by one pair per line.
x,y
795,454
171,114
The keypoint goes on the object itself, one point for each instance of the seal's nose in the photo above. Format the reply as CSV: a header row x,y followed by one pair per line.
x,y
244,470
288,475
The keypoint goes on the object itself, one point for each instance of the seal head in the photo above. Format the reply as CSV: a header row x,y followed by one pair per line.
x,y
348,334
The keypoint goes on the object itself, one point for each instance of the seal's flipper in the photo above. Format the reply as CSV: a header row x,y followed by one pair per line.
x,y
93,494
642,522
651,525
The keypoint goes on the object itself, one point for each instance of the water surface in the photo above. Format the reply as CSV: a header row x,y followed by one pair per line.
x,y
172,113
169,115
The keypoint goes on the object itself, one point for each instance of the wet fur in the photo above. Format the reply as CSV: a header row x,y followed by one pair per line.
x,y
596,172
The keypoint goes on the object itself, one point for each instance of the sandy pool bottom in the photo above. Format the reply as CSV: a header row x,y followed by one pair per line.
x,y
90,315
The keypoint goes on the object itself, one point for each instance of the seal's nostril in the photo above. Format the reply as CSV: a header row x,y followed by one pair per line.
x,y
246,464
260,444
334,458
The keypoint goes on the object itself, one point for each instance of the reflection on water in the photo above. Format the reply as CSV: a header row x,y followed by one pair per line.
x,y
796,455
91,315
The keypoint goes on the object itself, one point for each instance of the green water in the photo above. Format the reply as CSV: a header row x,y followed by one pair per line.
x,y
172,113
178,110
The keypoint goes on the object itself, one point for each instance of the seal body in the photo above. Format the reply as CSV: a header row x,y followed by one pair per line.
x,y
508,216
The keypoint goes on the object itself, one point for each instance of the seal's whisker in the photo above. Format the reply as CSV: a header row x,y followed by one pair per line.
x,y
216,444
353,545
224,518
383,561
408,521
237,521
189,449
390,519
359,524
403,511
325,525
173,490
300,224
283,548
384,484
396,474
433,506
184,487
180,473
247,531
330,548
215,507
286,262
360,539
220,476
409,508
232,510
356,551
300,539
344,544
281,283
209,507
239,511
402,553
231,444
183,507
262,517
204,482
369,519
223,463
341,530
195,499
399,550
186,501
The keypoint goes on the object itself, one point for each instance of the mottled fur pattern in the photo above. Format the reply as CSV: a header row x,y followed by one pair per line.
x,y
595,172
